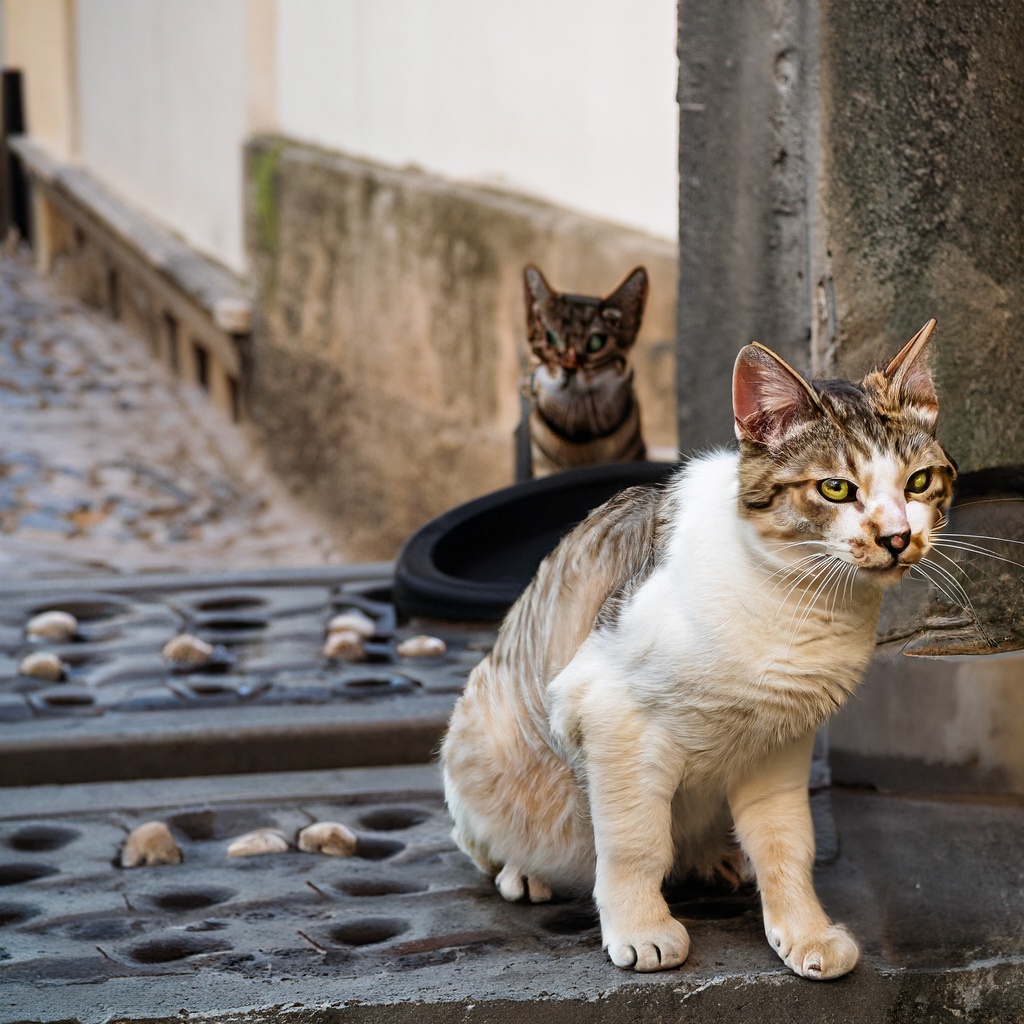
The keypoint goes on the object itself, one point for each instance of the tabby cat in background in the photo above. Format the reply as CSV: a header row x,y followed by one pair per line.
x,y
650,703
582,408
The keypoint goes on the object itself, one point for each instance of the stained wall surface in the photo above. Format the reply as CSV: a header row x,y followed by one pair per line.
x,y
390,346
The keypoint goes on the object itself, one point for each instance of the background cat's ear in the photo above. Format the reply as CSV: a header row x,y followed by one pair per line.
x,y
909,375
768,396
628,302
537,289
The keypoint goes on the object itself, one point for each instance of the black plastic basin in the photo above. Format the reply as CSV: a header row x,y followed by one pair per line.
x,y
472,562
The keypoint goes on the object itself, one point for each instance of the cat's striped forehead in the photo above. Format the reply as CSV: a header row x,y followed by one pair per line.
x,y
863,423
568,316
860,434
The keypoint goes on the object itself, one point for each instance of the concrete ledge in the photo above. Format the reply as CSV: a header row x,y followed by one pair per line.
x,y
195,313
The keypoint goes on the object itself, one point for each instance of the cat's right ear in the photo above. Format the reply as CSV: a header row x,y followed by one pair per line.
x,y
537,289
768,396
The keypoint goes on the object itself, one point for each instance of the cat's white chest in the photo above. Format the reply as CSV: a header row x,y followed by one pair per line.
x,y
720,646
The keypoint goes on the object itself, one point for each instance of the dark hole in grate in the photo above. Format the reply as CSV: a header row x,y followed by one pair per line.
x,y
572,921
196,825
42,838
15,913
233,624
14,874
226,823
388,819
83,610
64,698
377,848
374,685
229,603
378,887
189,899
178,947
209,689
368,931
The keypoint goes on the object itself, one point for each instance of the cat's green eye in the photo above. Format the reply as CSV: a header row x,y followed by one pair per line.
x,y
596,342
556,342
837,490
919,482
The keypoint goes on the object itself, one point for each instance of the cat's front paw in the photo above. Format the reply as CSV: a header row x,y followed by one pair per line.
x,y
654,946
830,953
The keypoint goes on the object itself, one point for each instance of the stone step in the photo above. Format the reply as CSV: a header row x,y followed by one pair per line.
x,y
407,930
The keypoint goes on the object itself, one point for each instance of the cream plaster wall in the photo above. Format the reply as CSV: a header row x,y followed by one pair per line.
x,y
572,101
38,40
163,110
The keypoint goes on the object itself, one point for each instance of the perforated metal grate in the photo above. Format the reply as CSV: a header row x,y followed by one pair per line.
x,y
268,699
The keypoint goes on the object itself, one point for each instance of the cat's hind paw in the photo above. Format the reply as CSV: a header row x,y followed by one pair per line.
x,y
514,885
657,947
829,954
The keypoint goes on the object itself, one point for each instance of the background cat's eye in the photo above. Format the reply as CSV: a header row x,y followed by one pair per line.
x,y
837,490
919,481
596,342
555,342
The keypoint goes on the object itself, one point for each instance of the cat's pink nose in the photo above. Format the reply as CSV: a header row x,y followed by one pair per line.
x,y
894,543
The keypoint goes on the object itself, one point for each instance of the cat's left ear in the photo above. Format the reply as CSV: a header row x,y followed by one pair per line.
x,y
909,376
769,398
625,305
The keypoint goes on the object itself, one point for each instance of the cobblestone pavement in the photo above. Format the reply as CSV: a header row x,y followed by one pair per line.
x,y
109,463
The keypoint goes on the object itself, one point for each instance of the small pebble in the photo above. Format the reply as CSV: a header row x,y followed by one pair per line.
x,y
54,625
353,621
186,649
150,844
42,665
421,647
254,844
344,645
329,837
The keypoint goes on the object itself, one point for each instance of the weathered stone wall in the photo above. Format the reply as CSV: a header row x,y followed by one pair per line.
x,y
390,339
849,169
923,192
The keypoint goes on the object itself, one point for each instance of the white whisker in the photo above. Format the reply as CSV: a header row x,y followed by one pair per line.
x,y
938,585
984,536
977,550
784,573
958,588
814,589
956,565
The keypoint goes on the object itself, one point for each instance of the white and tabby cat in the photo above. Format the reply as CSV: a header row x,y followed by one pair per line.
x,y
652,697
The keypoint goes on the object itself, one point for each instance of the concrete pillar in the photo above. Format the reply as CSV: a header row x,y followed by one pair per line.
x,y
747,150
921,183
848,170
